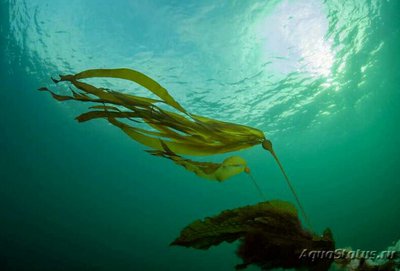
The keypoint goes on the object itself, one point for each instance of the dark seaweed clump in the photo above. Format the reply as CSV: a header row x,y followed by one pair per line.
x,y
270,236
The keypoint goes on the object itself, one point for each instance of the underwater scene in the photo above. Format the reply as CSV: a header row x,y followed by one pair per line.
x,y
200,135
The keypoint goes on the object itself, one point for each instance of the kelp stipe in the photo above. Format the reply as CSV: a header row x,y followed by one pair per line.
x,y
267,145
253,180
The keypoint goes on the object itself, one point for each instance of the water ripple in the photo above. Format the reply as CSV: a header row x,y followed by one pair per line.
x,y
280,65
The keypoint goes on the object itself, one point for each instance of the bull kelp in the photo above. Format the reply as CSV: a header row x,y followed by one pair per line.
x,y
181,132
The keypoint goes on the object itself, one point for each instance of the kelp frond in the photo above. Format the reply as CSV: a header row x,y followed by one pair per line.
x,y
231,166
182,132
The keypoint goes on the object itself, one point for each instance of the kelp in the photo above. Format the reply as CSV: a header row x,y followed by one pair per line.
x,y
182,132
231,166
270,236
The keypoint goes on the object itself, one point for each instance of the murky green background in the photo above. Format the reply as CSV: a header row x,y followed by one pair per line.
x,y
320,78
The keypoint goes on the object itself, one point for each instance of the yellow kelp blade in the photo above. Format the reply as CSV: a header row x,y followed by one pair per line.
x,y
130,75
231,130
183,146
230,167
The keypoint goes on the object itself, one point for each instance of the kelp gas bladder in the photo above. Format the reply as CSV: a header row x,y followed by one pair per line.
x,y
181,132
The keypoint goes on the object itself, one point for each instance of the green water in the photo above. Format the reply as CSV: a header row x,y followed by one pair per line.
x,y
320,78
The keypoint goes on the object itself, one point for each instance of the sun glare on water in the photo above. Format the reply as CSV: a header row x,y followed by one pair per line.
x,y
295,38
